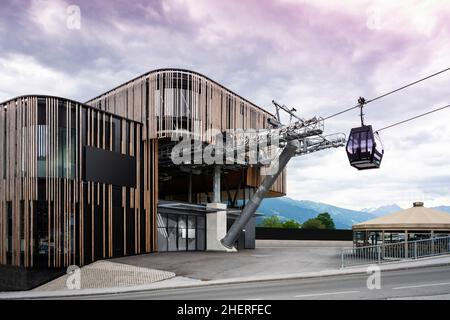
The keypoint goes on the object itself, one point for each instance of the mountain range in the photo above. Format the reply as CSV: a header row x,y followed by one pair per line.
x,y
302,210
383,210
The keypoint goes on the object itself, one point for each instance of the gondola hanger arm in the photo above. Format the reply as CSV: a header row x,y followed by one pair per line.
x,y
361,102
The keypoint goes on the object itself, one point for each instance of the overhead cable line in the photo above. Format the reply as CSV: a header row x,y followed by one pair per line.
x,y
413,118
388,93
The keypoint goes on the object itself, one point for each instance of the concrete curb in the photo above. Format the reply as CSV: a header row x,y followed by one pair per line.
x,y
193,283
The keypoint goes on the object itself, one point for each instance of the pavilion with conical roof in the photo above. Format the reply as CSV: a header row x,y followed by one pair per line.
x,y
411,224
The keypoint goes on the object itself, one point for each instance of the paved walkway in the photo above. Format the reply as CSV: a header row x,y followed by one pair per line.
x,y
268,261
106,274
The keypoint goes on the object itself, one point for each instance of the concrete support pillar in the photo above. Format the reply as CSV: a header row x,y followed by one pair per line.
x,y
216,227
252,205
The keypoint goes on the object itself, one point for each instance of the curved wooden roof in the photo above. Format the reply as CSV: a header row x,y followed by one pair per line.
x,y
179,70
43,96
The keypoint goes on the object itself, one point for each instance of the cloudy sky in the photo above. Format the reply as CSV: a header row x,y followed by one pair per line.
x,y
318,56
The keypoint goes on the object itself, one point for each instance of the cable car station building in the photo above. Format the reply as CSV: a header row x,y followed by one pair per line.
x,y
412,224
81,182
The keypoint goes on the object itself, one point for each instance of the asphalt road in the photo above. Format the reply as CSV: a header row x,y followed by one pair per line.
x,y
420,282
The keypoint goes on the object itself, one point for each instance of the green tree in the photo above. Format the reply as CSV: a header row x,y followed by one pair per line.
x,y
326,220
291,224
272,222
313,223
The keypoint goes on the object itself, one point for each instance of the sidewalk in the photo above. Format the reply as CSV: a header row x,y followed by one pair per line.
x,y
106,274
262,261
182,282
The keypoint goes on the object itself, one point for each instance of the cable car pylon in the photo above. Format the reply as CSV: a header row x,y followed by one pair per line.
x,y
298,138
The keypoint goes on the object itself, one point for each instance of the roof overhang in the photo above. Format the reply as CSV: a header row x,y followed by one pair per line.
x,y
414,226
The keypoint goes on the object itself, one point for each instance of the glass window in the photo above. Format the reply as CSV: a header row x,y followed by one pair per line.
x,y
356,143
172,239
162,239
41,149
191,233
107,132
363,141
182,233
374,237
200,222
127,138
182,239
42,112
350,145
162,220
359,238
229,112
191,222
101,130
42,228
66,153
41,138
191,239
117,134
369,143
94,119
62,114
73,116
67,141
200,239
172,221
163,236
182,222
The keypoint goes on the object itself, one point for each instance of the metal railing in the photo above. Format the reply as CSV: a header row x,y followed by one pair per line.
x,y
398,251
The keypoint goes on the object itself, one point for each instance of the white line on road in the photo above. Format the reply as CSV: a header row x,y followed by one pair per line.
x,y
423,285
324,294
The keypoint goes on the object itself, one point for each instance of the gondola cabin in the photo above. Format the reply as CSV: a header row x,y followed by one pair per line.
x,y
364,148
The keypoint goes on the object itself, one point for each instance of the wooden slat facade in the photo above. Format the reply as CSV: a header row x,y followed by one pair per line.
x,y
18,180
170,101
50,216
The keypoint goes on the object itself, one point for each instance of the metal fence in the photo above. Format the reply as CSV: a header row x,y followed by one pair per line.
x,y
395,251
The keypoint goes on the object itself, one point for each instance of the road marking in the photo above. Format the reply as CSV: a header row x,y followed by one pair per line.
x,y
423,285
324,294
